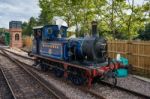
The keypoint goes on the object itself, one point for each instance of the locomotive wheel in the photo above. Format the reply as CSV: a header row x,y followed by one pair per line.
x,y
58,73
96,79
76,76
111,78
77,80
113,81
43,67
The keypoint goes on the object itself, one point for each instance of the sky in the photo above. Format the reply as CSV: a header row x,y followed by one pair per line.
x,y
18,10
21,10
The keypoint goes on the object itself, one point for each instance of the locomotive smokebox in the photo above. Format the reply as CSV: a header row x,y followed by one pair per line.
x,y
94,28
95,49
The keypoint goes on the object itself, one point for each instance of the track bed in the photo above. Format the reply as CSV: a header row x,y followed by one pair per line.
x,y
5,92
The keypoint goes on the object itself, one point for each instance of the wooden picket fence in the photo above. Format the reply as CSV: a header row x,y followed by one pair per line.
x,y
137,52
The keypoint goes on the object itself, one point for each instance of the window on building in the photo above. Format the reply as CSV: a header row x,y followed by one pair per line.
x,y
16,37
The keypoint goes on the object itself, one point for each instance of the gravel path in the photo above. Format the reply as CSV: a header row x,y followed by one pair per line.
x,y
113,93
135,84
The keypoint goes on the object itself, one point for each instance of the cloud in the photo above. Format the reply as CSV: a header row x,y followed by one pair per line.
x,y
19,10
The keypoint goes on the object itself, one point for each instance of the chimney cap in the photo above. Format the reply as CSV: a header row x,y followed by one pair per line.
x,y
94,22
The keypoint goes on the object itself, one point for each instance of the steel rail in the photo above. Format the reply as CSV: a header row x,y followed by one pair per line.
x,y
9,86
91,92
17,54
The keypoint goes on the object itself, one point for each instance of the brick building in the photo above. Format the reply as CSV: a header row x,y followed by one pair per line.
x,y
15,30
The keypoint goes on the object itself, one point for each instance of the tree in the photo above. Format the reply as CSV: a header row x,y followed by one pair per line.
x,y
74,11
144,34
27,27
119,19
24,27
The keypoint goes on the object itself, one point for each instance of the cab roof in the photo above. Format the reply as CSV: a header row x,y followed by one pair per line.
x,y
38,27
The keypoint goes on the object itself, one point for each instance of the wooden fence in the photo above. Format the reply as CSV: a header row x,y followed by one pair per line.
x,y
138,53
27,42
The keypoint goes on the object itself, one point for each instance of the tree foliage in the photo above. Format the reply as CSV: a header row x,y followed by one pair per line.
x,y
27,27
121,19
145,33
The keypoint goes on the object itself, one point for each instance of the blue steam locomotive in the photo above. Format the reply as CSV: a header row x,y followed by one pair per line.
x,y
52,41
80,60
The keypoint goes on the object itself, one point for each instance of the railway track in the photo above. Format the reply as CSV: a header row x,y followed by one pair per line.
x,y
108,84
5,89
26,84
24,50
18,55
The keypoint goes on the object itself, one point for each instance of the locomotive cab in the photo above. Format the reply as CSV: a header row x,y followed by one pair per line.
x,y
53,42
37,39
53,32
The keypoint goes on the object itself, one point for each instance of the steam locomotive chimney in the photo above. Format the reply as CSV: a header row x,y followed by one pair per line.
x,y
94,28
